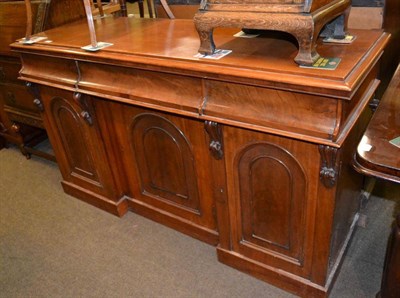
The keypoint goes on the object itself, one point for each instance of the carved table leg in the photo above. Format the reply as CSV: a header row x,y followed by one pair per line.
x,y
207,45
307,39
390,287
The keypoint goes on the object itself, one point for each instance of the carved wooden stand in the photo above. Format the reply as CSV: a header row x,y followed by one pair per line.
x,y
304,20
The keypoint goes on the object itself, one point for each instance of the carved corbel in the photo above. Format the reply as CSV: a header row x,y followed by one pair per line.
x,y
329,165
214,131
373,105
15,128
34,90
79,99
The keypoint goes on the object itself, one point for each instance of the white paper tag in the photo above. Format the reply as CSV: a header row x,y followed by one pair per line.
x,y
245,35
32,40
218,54
100,45
365,147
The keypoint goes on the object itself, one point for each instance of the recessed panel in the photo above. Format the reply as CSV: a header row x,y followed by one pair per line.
x,y
165,161
272,191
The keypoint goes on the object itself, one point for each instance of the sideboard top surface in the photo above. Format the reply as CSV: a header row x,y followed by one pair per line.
x,y
170,46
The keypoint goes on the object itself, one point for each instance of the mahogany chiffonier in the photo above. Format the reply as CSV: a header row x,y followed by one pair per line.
x,y
250,153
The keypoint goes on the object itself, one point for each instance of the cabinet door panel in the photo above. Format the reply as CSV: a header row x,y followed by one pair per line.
x,y
77,145
272,189
165,161
271,201
71,131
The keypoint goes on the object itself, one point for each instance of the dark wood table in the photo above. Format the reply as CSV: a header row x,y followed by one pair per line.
x,y
377,157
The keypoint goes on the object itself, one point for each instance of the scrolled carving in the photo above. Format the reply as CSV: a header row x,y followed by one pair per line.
x,y
329,165
214,131
34,90
88,118
85,109
373,104
15,128
38,104
3,128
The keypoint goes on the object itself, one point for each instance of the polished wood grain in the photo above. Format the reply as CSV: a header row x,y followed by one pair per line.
x,y
250,153
174,49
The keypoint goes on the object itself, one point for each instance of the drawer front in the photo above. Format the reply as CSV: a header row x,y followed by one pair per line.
x,y
306,114
25,118
9,71
18,97
182,94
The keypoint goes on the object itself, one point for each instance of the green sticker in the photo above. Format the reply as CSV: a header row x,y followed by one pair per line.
x,y
324,63
395,141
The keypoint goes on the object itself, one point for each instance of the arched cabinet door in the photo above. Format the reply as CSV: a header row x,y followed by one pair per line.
x,y
272,190
76,140
269,192
167,162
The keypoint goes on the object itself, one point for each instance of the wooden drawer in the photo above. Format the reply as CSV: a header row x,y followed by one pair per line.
x,y
9,70
18,97
30,119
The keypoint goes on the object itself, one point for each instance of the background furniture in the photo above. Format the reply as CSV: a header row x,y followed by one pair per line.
x,y
21,123
110,7
382,160
149,5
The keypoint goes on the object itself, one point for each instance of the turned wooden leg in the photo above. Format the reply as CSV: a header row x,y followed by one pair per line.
x,y
390,287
